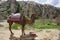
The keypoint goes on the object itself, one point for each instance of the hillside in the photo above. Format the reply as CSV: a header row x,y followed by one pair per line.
x,y
30,7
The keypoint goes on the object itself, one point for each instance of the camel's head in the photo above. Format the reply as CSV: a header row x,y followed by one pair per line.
x,y
33,17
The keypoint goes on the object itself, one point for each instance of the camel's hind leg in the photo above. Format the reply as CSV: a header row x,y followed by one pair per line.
x,y
10,24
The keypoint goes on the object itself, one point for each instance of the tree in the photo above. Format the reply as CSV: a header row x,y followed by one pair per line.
x,y
13,6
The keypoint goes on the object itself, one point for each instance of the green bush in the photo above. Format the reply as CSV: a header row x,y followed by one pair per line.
x,y
38,25
16,26
1,25
47,25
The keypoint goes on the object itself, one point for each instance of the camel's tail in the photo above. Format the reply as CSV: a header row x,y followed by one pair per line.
x,y
8,21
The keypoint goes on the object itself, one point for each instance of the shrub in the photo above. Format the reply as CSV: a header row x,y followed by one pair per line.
x,y
16,26
1,25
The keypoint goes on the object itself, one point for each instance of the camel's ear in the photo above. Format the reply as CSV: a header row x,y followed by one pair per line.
x,y
33,15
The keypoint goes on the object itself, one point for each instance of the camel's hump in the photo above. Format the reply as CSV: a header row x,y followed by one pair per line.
x,y
14,17
17,14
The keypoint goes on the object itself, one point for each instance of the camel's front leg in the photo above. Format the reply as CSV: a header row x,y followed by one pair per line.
x,y
23,32
10,24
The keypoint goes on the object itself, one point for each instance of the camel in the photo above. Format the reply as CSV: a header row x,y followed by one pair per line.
x,y
19,18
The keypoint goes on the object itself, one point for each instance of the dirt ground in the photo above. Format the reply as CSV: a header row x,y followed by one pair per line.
x,y
45,34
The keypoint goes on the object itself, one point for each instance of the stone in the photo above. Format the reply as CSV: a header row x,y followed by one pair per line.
x,y
28,37
25,37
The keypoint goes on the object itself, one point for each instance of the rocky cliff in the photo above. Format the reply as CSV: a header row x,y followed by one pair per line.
x,y
4,6
30,7
47,11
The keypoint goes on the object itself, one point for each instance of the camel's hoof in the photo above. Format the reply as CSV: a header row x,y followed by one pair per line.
x,y
12,34
24,34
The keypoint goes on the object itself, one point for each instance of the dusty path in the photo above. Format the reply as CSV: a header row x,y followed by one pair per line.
x,y
45,34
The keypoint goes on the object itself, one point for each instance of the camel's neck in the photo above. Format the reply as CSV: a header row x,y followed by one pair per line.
x,y
31,20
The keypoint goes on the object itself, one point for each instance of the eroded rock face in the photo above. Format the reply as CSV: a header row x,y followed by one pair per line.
x,y
30,7
3,7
